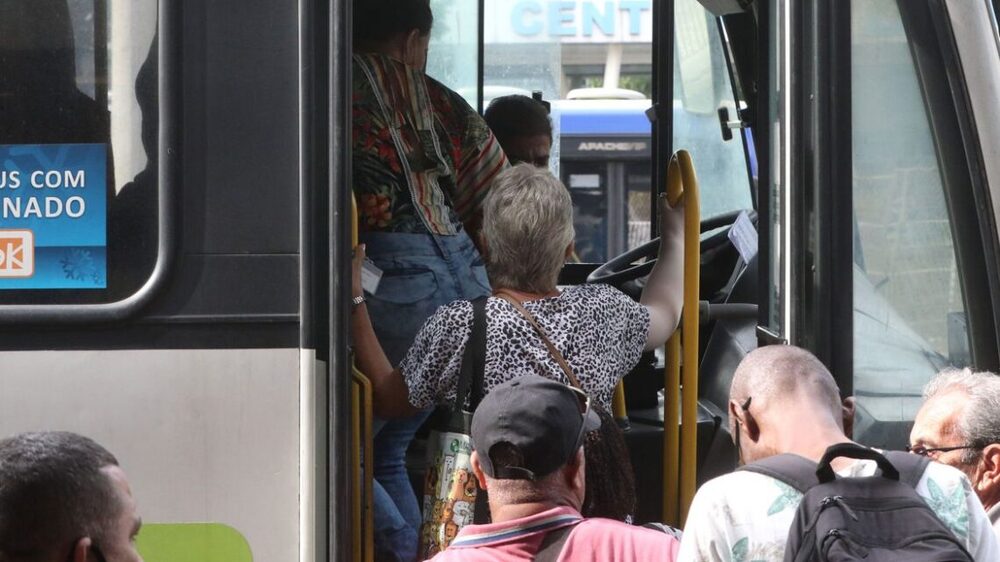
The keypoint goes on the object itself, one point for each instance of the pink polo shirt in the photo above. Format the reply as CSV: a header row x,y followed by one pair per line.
x,y
592,539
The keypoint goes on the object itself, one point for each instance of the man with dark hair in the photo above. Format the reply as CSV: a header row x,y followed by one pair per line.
x,y
528,438
423,160
64,497
523,127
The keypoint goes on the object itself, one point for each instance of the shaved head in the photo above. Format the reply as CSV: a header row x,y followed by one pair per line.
x,y
775,374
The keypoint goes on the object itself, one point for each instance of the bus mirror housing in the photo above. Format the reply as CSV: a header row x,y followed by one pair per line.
x,y
726,7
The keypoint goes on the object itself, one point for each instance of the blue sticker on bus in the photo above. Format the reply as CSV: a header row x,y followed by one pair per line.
x,y
53,216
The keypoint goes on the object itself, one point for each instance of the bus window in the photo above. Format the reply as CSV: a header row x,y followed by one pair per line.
x,y
701,88
453,57
78,150
909,316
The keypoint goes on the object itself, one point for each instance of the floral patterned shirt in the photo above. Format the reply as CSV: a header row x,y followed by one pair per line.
x,y
745,516
422,158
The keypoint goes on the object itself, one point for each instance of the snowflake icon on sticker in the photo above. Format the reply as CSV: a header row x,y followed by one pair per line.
x,y
78,265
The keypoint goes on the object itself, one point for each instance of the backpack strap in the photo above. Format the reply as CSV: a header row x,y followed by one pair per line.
x,y
553,543
911,467
798,472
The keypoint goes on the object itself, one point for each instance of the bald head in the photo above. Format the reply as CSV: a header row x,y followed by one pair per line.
x,y
778,374
783,400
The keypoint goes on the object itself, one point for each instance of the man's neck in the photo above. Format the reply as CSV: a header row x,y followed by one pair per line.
x,y
504,513
810,442
990,499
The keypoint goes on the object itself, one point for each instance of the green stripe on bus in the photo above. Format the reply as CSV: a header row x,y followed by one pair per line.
x,y
192,542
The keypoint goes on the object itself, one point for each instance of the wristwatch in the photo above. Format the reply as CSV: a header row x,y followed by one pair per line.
x,y
357,301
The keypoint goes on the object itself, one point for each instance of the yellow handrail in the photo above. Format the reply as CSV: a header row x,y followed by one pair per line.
x,y
618,402
364,449
680,455
671,431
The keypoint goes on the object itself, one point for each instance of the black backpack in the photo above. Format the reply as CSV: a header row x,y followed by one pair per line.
x,y
876,519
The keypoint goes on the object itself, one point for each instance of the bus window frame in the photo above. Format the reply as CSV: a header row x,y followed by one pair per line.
x,y
928,26
168,147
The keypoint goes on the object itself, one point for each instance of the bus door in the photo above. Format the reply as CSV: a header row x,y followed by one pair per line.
x,y
879,195
164,256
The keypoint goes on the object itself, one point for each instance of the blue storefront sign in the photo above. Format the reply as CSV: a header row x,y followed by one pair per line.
x,y
53,216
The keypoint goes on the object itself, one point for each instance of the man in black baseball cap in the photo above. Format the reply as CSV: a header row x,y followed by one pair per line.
x,y
528,435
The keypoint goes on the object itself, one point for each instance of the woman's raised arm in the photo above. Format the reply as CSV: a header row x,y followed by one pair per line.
x,y
664,291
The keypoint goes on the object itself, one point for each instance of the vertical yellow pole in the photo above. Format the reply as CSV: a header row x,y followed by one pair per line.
x,y
618,402
361,425
689,378
671,431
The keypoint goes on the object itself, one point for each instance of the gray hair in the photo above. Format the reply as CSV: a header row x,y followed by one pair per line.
x,y
52,490
979,425
527,226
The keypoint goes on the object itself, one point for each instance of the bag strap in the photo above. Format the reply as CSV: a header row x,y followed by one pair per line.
x,y
853,451
801,474
470,377
911,467
553,543
798,472
509,297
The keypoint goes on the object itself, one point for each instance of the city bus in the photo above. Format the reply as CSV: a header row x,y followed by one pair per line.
x,y
175,245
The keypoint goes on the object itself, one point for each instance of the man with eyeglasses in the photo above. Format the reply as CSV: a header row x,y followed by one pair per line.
x,y
959,425
528,439
784,400
64,498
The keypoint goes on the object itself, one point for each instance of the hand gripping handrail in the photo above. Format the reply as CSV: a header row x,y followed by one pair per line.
x,y
680,410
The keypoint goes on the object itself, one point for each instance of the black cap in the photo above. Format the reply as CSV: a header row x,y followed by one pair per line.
x,y
543,420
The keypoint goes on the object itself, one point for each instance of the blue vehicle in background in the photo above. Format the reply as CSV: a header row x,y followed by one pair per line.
x,y
605,159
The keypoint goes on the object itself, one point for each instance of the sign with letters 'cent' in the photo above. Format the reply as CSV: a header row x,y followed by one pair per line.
x,y
53,216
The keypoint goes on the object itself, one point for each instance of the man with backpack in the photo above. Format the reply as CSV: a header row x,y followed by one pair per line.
x,y
808,493
528,438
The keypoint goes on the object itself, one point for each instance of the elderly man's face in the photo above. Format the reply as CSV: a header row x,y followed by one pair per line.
x,y
936,427
119,546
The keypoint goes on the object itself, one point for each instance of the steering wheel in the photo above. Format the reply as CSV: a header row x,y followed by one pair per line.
x,y
620,269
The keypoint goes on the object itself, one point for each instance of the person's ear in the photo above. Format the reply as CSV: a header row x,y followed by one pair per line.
x,y
413,48
847,412
82,551
991,464
477,470
735,416
570,250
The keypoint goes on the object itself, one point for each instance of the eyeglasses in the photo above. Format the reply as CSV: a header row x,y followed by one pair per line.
x,y
925,451
583,404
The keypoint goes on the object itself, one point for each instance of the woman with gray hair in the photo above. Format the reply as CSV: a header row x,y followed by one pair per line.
x,y
527,235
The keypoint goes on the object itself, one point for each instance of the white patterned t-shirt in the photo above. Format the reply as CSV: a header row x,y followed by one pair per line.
x,y
745,516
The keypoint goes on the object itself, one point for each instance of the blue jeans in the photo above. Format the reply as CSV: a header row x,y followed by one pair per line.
x,y
420,272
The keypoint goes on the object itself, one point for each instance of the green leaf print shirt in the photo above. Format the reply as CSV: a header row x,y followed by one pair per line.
x,y
745,516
